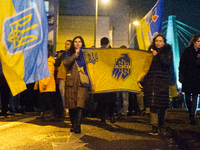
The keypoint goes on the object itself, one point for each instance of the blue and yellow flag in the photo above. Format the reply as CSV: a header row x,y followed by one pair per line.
x,y
150,26
24,39
112,70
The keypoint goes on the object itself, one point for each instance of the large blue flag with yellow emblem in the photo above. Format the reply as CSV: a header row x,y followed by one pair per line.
x,y
150,26
24,39
112,70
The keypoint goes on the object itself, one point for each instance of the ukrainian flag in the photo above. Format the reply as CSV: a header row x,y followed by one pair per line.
x,y
150,26
112,70
23,42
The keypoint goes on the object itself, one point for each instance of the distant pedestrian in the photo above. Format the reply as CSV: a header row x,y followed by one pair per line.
x,y
156,83
189,76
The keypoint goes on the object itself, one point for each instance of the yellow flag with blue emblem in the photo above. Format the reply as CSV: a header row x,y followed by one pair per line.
x,y
24,39
150,26
112,70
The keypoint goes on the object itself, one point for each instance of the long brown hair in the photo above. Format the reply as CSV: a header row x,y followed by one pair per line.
x,y
193,40
72,48
154,40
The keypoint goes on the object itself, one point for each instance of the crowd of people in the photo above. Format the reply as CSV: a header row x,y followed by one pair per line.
x,y
63,89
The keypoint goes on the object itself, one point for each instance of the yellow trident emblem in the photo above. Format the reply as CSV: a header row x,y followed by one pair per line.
x,y
15,35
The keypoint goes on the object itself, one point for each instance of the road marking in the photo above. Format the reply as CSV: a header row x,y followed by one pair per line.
x,y
12,124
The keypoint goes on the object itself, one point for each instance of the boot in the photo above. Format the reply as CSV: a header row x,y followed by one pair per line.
x,y
192,120
154,130
78,120
112,118
161,129
102,122
72,114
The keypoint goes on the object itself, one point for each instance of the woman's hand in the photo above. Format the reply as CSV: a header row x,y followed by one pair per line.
x,y
154,52
77,52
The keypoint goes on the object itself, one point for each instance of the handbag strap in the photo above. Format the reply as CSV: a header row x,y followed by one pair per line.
x,y
77,66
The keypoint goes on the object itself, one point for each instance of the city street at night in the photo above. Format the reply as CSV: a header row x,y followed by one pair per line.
x,y
25,132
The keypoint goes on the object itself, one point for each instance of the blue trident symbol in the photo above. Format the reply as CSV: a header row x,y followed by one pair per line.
x,y
93,58
15,35
122,67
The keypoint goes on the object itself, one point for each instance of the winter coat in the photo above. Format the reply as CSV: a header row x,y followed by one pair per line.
x,y
157,80
61,68
189,70
75,93
49,82
62,71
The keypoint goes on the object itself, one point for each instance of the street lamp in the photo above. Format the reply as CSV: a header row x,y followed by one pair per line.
x,y
95,25
96,17
135,23
105,1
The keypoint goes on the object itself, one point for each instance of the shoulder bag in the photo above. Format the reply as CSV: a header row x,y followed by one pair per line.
x,y
83,77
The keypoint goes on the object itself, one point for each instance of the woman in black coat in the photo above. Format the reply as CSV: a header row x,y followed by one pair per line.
x,y
189,75
156,83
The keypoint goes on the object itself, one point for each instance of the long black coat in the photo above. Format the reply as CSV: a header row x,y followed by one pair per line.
x,y
189,70
157,80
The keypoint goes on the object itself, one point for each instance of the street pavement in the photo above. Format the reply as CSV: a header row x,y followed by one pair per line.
x,y
25,132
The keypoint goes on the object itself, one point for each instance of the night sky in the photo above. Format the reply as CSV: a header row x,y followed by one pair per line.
x,y
186,11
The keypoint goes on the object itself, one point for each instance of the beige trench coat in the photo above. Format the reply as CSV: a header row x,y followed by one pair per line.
x,y
75,93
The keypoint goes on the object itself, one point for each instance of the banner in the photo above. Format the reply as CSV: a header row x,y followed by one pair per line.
x,y
23,44
150,26
112,70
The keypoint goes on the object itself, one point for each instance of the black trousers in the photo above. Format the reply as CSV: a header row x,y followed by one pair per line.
x,y
58,103
157,116
28,98
47,101
106,108
191,103
5,95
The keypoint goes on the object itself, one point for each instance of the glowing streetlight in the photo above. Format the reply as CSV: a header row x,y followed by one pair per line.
x,y
136,23
105,1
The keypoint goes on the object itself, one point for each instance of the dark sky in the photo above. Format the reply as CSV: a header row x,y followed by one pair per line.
x,y
186,11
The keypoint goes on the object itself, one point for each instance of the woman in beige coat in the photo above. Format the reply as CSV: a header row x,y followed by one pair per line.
x,y
75,93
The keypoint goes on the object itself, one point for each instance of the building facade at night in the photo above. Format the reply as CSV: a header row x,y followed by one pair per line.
x,y
78,18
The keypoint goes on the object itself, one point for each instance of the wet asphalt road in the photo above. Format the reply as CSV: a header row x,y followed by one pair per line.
x,y
25,132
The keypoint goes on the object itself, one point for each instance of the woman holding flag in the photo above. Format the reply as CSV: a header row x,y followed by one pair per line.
x,y
75,92
156,83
